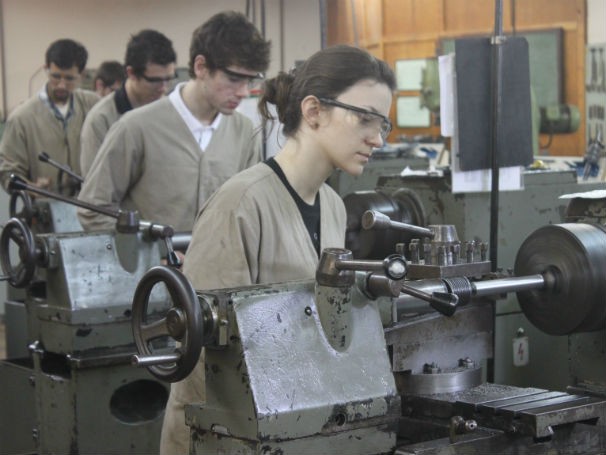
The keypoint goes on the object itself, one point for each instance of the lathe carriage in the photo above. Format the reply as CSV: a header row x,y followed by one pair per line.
x,y
429,199
357,361
374,356
74,390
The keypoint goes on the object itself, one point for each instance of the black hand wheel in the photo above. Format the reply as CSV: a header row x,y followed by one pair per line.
x,y
182,322
17,231
27,213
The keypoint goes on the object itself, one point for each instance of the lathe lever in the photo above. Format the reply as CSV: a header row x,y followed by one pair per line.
x,y
377,220
150,360
45,158
443,302
172,258
394,266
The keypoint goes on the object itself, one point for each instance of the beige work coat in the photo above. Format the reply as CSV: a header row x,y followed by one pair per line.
x,y
96,125
250,232
33,128
150,162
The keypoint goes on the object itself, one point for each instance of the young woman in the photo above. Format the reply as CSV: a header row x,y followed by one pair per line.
x,y
269,223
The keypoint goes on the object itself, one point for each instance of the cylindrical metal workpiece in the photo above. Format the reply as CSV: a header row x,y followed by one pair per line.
x,y
503,285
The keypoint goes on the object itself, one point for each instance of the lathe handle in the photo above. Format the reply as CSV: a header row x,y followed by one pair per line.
x,y
17,231
372,219
443,302
183,323
28,212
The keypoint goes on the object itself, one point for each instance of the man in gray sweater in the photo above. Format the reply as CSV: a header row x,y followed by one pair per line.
x,y
166,158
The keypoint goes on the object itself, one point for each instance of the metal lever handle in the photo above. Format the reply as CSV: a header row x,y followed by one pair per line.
x,y
150,360
18,183
443,302
171,256
127,221
393,265
336,265
43,156
371,219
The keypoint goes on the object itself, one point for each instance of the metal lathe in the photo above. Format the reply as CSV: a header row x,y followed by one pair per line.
x,y
390,355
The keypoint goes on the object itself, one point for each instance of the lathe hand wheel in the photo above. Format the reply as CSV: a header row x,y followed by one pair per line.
x,y
27,212
182,322
17,231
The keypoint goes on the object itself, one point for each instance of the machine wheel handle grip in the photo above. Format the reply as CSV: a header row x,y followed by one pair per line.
x,y
17,231
182,322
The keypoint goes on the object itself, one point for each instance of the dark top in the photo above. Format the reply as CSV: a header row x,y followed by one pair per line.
x,y
310,213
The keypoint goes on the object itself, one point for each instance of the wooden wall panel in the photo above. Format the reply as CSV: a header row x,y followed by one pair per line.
x,y
408,50
530,12
340,27
414,28
465,16
373,21
408,18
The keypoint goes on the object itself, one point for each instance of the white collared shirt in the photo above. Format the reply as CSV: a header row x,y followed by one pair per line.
x,y
202,133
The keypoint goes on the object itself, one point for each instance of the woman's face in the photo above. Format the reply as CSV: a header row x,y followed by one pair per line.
x,y
354,124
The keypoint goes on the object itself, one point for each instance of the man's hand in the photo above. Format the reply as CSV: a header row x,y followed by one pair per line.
x,y
43,182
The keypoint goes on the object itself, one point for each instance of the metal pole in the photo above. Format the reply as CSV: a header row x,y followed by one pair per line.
x,y
4,113
496,92
496,100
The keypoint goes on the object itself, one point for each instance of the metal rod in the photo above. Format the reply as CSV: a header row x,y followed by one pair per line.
x,y
17,183
359,265
150,360
372,219
504,285
418,293
47,159
496,100
181,240
496,91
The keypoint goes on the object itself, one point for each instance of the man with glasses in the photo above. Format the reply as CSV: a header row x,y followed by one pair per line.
x,y
150,68
166,159
50,122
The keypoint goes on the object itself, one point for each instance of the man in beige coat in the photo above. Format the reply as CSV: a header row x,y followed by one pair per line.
x,y
166,158
150,68
49,122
